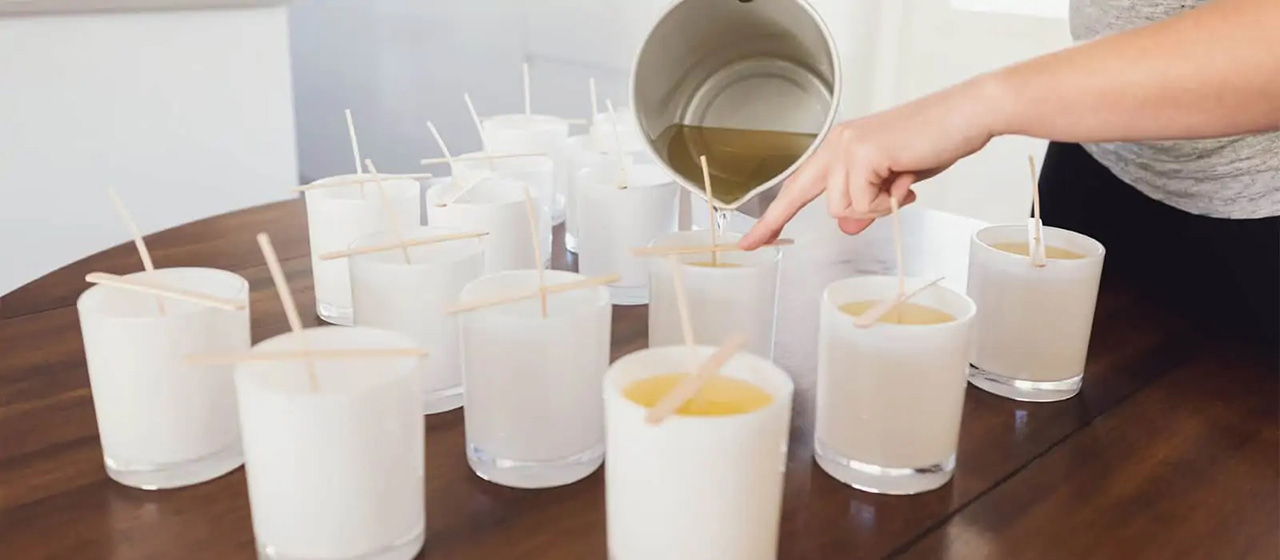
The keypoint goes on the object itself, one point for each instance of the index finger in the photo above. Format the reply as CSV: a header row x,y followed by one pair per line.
x,y
797,191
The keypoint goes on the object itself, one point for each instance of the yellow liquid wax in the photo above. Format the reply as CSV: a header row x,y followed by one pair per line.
x,y
719,396
905,313
739,159
709,264
1024,249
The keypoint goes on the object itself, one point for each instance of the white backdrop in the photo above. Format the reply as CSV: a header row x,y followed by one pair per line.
x,y
186,114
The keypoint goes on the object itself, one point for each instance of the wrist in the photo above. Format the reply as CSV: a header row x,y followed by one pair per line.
x,y
995,98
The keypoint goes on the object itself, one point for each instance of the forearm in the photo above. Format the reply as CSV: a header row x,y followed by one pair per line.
x,y
1213,71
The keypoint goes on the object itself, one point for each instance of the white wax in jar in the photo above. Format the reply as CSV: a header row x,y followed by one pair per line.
x,y
336,216
623,219
412,298
334,470
495,205
740,296
163,422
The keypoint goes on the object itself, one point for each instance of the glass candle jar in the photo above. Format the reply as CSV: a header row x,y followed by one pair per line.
x,y
695,486
163,422
890,396
338,215
739,294
1031,335
412,298
335,468
495,205
532,400
622,219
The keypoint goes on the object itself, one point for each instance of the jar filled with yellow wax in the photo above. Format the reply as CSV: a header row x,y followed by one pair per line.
x,y
705,482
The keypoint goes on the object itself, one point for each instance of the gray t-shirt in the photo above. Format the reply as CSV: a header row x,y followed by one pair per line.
x,y
1236,177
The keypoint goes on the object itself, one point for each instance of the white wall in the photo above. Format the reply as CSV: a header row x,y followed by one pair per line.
x,y
185,114
943,42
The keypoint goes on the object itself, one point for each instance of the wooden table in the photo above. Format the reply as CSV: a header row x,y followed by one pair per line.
x,y
1169,452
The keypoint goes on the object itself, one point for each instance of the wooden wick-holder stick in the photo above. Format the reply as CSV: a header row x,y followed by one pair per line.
x,y
444,148
695,249
682,302
880,309
1035,228
711,209
617,146
871,316
358,180
528,96
475,119
595,104
537,250
286,301
285,356
402,244
390,212
483,157
163,291
546,290
688,387
897,247
355,146
138,242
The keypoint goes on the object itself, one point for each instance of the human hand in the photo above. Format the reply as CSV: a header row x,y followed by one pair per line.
x,y
865,161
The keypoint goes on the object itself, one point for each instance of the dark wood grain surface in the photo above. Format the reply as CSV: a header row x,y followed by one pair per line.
x,y
1170,451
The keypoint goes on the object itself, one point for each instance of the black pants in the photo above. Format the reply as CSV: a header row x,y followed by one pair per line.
x,y
1222,274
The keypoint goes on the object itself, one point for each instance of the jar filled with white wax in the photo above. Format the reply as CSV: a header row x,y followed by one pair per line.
x,y
582,152
531,134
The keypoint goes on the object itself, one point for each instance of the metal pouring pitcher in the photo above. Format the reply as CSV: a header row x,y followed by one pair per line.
x,y
740,64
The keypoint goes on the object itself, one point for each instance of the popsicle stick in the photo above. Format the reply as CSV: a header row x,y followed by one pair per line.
x,y
355,145
402,244
1035,228
486,156
695,249
389,211
361,180
870,316
682,302
286,300
528,99
163,291
897,247
595,104
138,242
552,289
873,315
688,387
537,250
444,149
897,250
475,119
617,146
711,209
327,354
576,121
